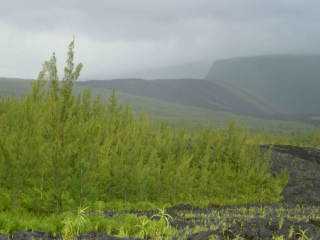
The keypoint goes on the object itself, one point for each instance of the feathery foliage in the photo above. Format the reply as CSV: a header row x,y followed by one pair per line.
x,y
59,151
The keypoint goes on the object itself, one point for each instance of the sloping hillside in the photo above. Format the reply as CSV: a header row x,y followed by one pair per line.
x,y
288,83
174,113
190,92
14,86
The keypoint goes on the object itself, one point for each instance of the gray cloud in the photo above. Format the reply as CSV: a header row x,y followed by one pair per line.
x,y
116,37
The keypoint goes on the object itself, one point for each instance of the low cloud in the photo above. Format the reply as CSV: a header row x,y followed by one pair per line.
x,y
116,37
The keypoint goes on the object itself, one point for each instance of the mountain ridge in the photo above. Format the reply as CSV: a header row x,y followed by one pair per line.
x,y
288,83
192,92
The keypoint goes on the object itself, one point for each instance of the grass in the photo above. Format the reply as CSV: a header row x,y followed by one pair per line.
x,y
69,225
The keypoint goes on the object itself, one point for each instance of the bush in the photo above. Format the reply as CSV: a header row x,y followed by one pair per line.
x,y
59,151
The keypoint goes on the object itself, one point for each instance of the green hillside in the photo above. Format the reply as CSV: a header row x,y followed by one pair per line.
x,y
14,86
190,92
175,113
289,84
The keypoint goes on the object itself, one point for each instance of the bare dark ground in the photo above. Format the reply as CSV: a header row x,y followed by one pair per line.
x,y
303,167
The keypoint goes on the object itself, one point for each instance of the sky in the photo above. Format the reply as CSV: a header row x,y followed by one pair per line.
x,y
115,38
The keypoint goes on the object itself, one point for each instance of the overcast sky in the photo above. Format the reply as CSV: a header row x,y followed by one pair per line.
x,y
116,37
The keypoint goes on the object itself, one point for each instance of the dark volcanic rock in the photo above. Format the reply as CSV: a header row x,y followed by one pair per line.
x,y
32,236
28,235
201,235
266,229
100,236
303,167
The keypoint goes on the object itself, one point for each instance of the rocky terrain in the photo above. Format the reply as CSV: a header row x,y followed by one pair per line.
x,y
303,167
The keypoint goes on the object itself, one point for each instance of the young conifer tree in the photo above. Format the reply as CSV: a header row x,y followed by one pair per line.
x,y
59,100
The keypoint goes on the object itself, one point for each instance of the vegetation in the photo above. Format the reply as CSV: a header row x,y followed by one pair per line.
x,y
177,115
61,151
69,225
253,222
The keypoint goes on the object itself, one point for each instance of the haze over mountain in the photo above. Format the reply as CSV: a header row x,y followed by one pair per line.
x,y
269,87
197,70
273,86
171,111
190,92
289,84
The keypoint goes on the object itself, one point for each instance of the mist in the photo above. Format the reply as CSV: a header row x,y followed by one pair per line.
x,y
131,39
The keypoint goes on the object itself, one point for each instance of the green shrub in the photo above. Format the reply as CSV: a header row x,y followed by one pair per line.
x,y
59,151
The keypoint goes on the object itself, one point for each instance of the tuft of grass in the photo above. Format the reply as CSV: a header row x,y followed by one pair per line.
x,y
74,224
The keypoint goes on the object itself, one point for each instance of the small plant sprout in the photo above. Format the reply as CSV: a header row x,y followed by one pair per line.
x,y
291,232
302,235
73,224
143,227
163,216
275,237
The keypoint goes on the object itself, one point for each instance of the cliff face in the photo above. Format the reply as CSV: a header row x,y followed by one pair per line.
x,y
288,84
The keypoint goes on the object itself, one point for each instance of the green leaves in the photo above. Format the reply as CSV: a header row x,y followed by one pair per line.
x,y
73,225
59,151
